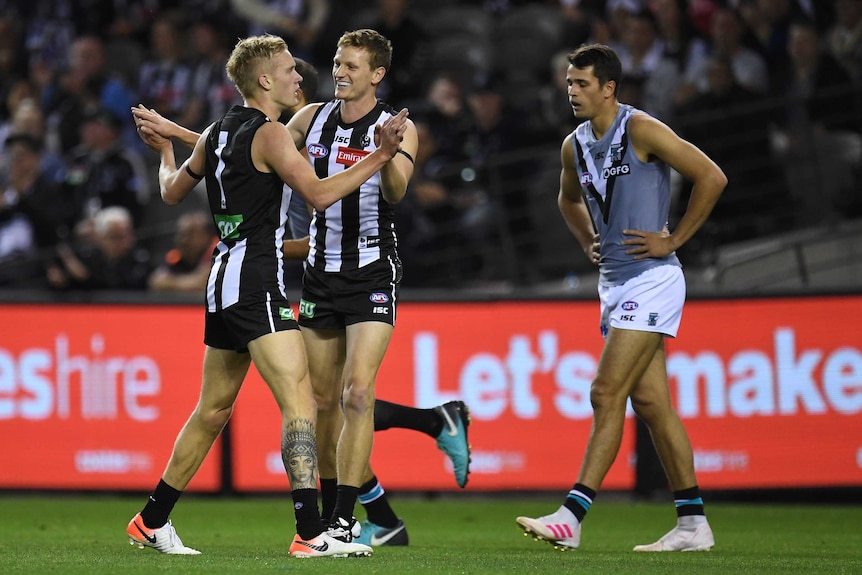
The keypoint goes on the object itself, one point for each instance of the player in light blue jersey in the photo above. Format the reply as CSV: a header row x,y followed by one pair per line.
x,y
615,198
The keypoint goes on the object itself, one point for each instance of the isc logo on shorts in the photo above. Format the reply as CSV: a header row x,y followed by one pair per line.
x,y
379,297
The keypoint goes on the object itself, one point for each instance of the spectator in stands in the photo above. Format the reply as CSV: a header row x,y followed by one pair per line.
x,y
641,47
27,118
731,123
411,54
749,67
187,265
768,24
432,217
845,37
818,132
164,80
299,22
102,172
83,85
113,261
212,91
682,51
34,215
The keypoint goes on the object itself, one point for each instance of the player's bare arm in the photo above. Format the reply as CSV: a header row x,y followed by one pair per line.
x,y
150,122
174,183
653,139
274,150
572,206
396,174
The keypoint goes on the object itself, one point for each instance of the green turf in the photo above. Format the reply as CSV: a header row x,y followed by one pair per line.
x,y
469,535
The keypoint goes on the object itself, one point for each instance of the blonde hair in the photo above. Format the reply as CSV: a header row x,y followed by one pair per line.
x,y
243,64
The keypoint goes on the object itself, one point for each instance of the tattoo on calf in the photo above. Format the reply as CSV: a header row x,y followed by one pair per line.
x,y
299,454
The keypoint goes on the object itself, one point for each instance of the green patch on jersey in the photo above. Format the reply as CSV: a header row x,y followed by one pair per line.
x,y
228,225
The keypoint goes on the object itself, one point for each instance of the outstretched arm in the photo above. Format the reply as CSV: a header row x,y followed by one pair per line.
x,y
273,149
150,122
174,183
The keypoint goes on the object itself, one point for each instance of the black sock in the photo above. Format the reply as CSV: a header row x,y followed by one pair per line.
x,y
345,501
373,499
328,493
688,502
308,524
387,415
160,504
579,500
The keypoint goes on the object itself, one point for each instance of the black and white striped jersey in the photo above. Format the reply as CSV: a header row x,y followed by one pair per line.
x,y
360,228
249,208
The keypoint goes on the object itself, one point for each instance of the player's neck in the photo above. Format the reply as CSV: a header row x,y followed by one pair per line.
x,y
601,122
353,110
270,108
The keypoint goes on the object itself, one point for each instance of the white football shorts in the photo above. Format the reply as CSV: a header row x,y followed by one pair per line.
x,y
651,301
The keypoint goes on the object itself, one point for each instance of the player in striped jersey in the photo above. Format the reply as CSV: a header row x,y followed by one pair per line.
x,y
615,197
447,423
246,157
349,296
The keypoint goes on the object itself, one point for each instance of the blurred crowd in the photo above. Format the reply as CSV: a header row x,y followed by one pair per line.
x,y
770,89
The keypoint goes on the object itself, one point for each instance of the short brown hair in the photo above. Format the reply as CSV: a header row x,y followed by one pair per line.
x,y
378,47
242,65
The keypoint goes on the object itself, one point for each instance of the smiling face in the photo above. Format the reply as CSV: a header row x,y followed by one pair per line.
x,y
352,73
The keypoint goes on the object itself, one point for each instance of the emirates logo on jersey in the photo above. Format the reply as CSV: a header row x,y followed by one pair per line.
x,y
349,156
317,150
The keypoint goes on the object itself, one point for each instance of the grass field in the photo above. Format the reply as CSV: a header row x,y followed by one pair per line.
x,y
469,535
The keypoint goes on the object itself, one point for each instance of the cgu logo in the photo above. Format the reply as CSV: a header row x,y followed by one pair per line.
x,y
317,150
228,225
616,171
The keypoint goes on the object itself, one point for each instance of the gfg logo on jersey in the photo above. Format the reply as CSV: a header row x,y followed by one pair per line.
x,y
379,297
630,305
317,150
616,171
586,179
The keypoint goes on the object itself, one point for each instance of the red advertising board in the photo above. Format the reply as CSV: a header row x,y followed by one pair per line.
x,y
770,390
92,396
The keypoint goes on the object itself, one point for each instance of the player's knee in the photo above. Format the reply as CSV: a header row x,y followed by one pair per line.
x,y
359,398
214,419
605,395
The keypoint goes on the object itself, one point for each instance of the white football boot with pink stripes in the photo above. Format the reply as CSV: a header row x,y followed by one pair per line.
x,y
561,529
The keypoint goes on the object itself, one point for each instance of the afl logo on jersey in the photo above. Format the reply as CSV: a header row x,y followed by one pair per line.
x,y
317,150
586,179
630,305
379,297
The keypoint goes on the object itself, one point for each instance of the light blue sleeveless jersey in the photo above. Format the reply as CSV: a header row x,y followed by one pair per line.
x,y
621,193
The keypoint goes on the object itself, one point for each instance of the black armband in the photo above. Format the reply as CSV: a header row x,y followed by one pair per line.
x,y
192,174
406,155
